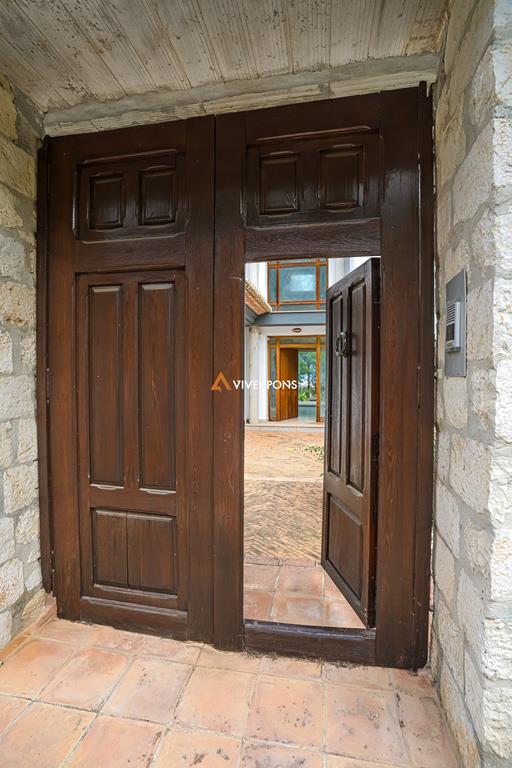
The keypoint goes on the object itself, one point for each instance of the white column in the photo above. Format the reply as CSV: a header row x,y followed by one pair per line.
x,y
253,374
263,372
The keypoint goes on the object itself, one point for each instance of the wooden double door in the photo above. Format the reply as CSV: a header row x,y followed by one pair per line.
x,y
143,238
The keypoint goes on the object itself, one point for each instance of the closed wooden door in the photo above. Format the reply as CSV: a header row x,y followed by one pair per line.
x,y
130,369
351,438
288,398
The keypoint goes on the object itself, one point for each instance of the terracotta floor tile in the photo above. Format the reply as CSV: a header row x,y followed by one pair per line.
x,y
257,605
283,667
330,588
412,682
425,732
363,724
237,662
215,700
295,609
256,755
260,576
336,761
73,632
117,743
338,613
30,668
87,679
187,749
361,677
149,690
287,710
306,581
115,639
167,648
13,645
43,736
10,708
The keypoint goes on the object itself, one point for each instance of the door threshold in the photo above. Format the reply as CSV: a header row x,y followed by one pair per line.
x,y
356,646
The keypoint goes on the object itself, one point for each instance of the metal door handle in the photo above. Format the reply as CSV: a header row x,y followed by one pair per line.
x,y
341,345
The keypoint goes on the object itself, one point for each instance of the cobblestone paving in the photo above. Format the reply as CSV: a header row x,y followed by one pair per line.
x,y
283,494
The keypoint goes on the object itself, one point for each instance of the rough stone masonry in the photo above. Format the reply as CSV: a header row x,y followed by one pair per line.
x,y
21,593
472,633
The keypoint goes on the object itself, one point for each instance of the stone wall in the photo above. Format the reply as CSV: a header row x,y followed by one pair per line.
x,y
472,631
21,594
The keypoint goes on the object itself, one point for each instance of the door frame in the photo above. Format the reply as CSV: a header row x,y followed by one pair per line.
x,y
403,237
403,119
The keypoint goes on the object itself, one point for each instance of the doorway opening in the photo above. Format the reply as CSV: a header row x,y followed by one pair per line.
x,y
291,530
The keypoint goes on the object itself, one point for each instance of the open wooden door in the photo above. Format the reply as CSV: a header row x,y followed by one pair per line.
x,y
287,398
352,437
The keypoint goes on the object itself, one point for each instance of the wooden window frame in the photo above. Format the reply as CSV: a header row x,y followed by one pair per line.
x,y
280,306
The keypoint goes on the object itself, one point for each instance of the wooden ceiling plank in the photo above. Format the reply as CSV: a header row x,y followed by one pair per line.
x,y
60,33
267,27
143,24
29,80
351,25
310,33
392,28
428,26
231,39
189,33
97,22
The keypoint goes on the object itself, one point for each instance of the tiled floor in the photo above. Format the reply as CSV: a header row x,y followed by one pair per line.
x,y
283,494
83,696
294,592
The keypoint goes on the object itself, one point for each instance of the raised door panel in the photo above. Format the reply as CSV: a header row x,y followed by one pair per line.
x,y
312,180
132,510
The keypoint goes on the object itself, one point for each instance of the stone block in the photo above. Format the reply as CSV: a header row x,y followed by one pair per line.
x,y
27,440
12,258
470,463
502,152
477,543
444,571
7,543
5,628
450,638
7,114
498,649
17,304
448,517
27,527
483,397
470,608
501,566
5,444
28,352
472,184
502,342
12,584
9,216
6,361
456,401
453,703
33,578
20,487
473,694
16,397
451,148
481,95
500,487
443,455
497,720
17,169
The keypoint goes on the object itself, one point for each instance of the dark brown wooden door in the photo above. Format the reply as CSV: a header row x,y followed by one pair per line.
x,y
130,368
351,437
288,398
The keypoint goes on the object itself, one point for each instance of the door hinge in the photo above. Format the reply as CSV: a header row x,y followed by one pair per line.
x,y
375,448
47,385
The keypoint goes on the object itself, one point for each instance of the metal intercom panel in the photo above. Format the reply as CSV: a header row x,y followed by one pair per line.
x,y
455,330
